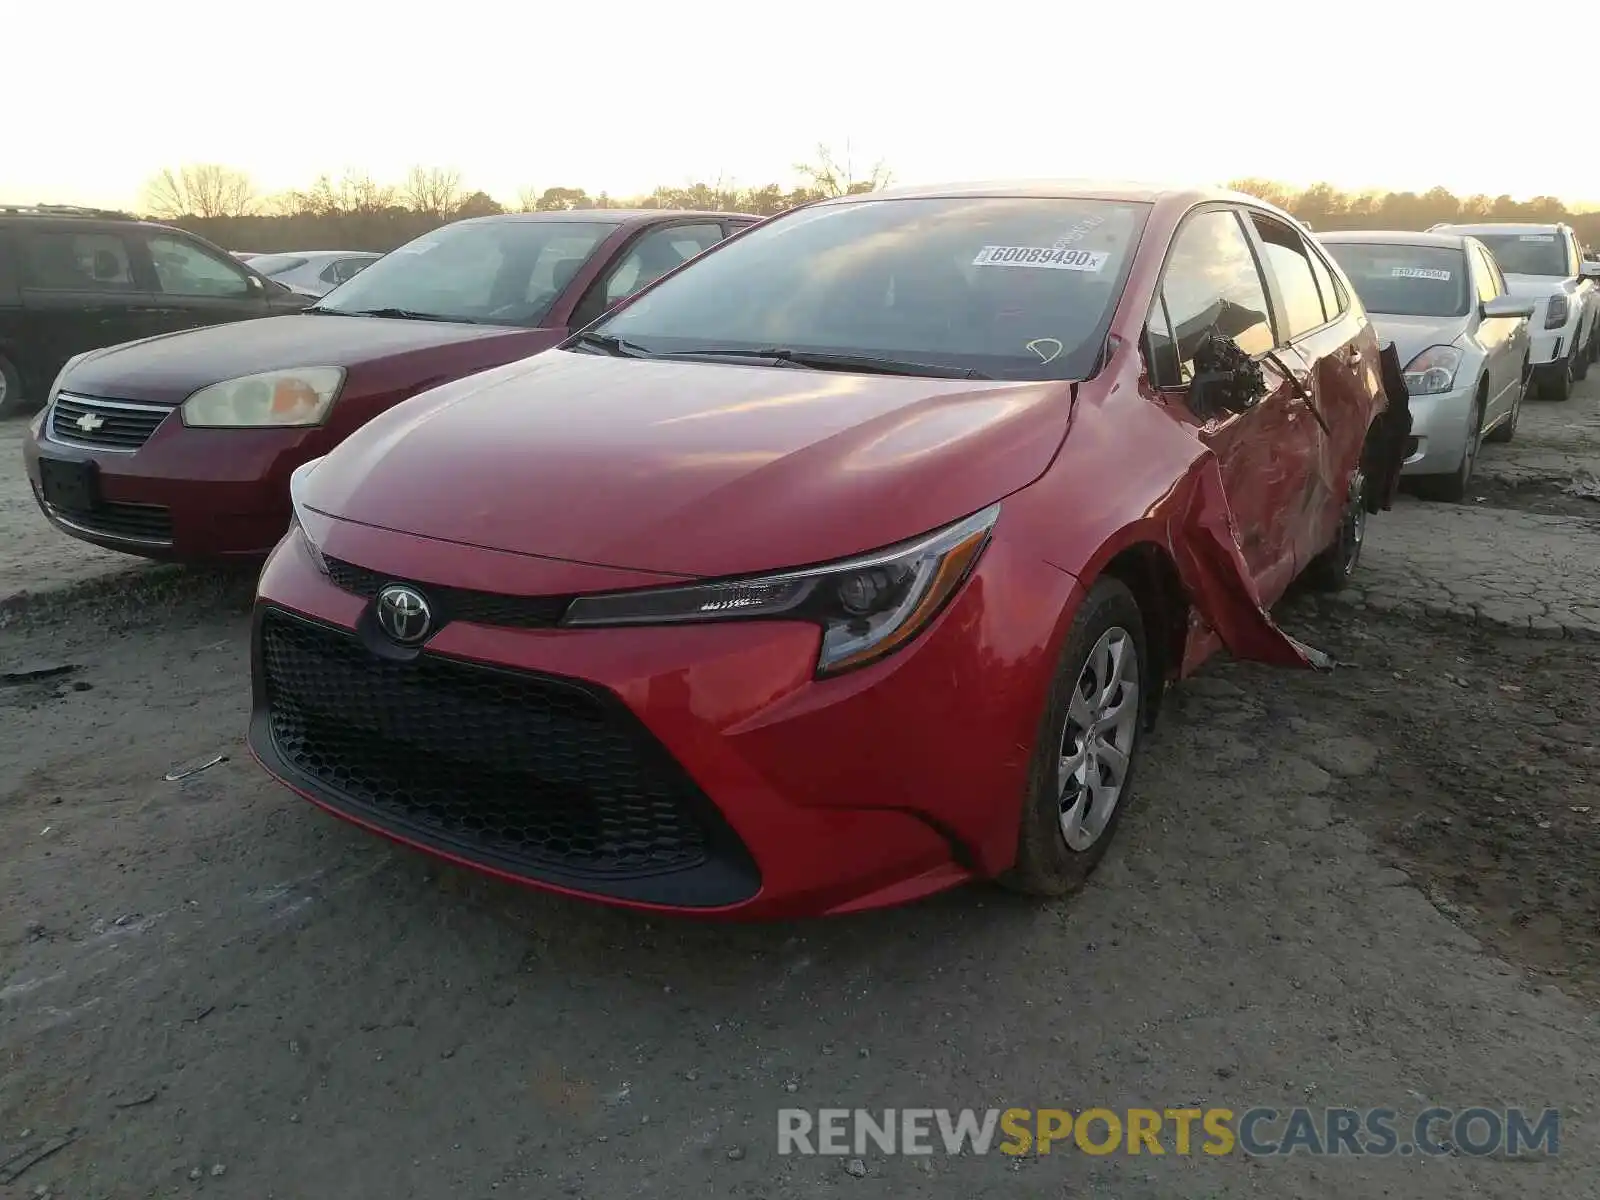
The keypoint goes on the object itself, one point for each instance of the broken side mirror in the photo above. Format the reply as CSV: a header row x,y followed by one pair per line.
x,y
1226,379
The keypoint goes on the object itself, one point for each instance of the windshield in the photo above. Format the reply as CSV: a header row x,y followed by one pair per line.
x,y
497,272
276,264
1405,281
1528,253
1017,288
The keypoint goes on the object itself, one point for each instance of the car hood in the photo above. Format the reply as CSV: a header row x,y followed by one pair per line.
x,y
179,363
1412,335
1535,287
689,468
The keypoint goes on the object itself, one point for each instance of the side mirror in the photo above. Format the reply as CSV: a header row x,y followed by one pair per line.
x,y
1226,379
254,282
1506,306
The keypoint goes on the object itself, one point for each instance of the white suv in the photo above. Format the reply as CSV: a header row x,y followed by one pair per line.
x,y
1545,264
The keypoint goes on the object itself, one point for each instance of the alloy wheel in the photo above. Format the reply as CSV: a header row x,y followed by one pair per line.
x,y
1097,741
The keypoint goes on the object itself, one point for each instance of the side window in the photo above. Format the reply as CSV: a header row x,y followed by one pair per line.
x,y
1290,264
1488,285
63,261
184,269
333,272
656,253
8,270
1211,283
351,266
1333,304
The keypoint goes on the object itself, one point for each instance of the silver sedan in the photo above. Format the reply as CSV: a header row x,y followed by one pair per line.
x,y
313,272
1441,299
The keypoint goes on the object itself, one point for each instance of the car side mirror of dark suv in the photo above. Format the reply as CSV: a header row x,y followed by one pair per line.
x,y
1226,379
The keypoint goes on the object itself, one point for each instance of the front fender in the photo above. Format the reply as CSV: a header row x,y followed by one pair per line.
x,y
1131,473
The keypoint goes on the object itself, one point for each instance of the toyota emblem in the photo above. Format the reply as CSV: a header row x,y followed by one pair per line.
x,y
403,614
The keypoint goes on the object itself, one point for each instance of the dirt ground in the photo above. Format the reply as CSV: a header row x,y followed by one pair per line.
x,y
1379,887
209,974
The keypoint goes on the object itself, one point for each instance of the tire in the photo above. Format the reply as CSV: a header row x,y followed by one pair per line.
x,y
1452,488
1507,429
1579,358
1332,569
1561,388
11,402
1051,861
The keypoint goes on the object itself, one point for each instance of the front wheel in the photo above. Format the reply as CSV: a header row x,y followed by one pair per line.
x,y
1081,773
1332,569
1579,358
1560,387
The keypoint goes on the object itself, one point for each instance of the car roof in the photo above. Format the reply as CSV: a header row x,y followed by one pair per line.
x,y
320,254
1491,226
1144,192
611,216
1396,237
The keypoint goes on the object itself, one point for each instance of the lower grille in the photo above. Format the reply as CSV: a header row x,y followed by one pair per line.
x,y
534,775
137,522
104,424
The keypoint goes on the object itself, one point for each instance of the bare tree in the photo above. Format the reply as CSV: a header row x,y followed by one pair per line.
x,y
528,199
201,190
433,190
830,177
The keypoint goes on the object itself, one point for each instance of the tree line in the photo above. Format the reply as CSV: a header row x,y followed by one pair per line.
x,y
355,212
1324,207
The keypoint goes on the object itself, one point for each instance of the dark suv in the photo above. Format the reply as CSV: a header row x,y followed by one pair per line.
x,y
76,279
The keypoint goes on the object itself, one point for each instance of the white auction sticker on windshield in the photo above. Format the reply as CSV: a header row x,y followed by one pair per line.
x,y
1421,273
1048,257
1537,237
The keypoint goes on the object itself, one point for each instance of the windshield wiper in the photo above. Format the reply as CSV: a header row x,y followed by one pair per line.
x,y
403,314
611,344
819,360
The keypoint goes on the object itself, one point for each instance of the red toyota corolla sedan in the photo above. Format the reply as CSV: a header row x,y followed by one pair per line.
x,y
180,446
844,564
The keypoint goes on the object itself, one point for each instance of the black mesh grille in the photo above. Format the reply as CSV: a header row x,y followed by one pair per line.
x,y
458,604
111,424
528,773
143,522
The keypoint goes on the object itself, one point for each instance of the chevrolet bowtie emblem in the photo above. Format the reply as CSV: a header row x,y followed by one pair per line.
x,y
89,422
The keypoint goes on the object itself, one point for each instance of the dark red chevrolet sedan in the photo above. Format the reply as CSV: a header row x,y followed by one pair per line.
x,y
181,446
843,565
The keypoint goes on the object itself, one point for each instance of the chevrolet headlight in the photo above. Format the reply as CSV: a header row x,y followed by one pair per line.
x,y
867,607
297,527
1433,371
283,399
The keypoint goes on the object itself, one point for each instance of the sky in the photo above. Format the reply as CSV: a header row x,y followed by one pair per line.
x,y
620,96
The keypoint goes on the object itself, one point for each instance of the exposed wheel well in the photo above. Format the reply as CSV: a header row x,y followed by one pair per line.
x,y
1147,570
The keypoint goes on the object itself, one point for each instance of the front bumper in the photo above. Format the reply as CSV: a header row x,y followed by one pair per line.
x,y
183,494
693,768
1548,349
1439,428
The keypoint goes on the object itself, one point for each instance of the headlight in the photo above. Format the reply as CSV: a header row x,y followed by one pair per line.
x,y
297,487
1433,371
271,399
1556,315
868,607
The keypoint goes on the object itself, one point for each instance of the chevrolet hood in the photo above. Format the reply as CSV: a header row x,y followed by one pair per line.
x,y
170,366
689,468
